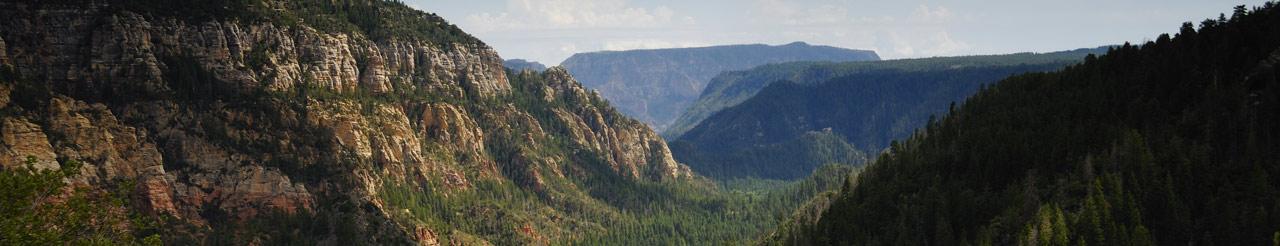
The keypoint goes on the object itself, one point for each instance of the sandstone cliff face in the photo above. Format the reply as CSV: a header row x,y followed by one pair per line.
x,y
129,51
4,57
222,120
629,146
24,140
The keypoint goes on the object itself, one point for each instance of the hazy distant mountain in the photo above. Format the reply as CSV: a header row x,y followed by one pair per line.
x,y
522,64
867,105
655,86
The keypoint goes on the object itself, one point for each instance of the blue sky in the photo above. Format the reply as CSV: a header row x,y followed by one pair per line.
x,y
549,31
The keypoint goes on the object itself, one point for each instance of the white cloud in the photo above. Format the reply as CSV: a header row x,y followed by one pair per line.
x,y
826,14
568,48
919,31
942,44
868,20
797,14
926,44
924,13
550,30
773,9
572,14
564,27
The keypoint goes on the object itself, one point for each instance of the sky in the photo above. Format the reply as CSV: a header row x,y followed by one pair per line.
x,y
548,31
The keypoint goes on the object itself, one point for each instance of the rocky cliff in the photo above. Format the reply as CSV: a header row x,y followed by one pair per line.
x,y
221,121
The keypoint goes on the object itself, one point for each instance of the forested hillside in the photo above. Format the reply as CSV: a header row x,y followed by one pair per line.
x,y
771,134
1170,142
655,86
732,88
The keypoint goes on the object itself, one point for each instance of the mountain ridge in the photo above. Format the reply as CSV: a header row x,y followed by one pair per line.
x,y
733,87
655,85
522,64
862,105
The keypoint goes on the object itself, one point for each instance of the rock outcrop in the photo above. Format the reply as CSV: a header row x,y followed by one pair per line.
x,y
25,142
4,57
133,51
629,146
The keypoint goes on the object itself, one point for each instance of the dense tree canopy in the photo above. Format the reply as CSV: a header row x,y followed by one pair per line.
x,y
770,135
1171,142
732,88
